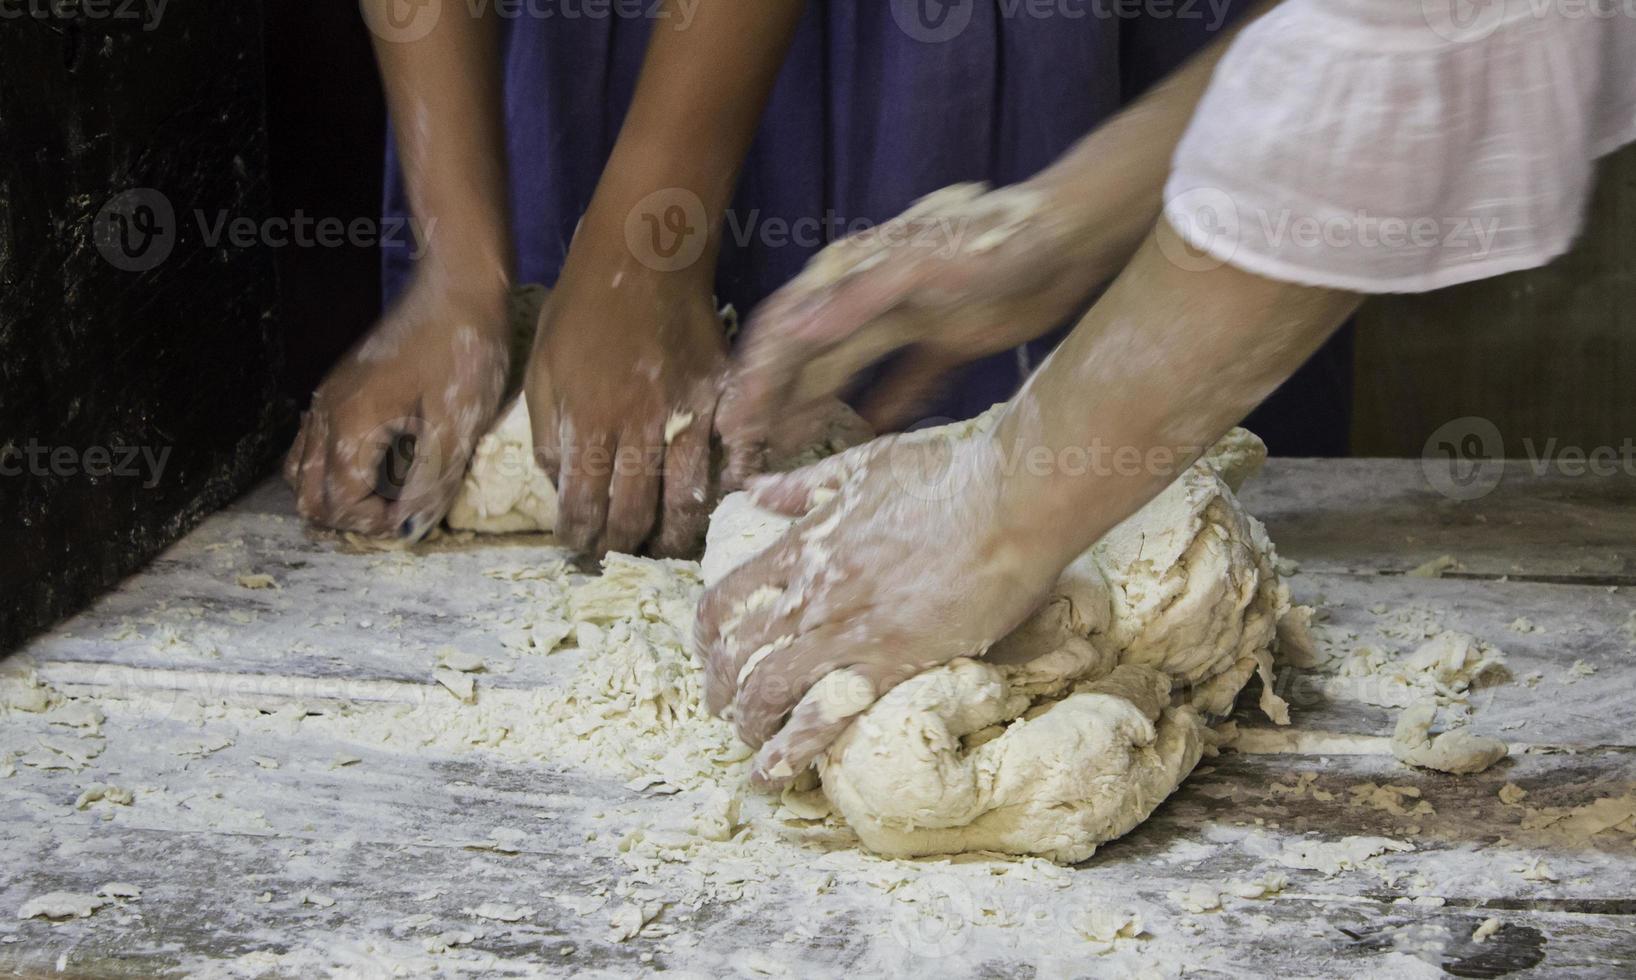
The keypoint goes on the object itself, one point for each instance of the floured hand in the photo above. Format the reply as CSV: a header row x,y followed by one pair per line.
x,y
384,446
902,562
622,388
964,273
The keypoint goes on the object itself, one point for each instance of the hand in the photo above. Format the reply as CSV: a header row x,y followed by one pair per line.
x,y
903,561
962,274
385,443
622,388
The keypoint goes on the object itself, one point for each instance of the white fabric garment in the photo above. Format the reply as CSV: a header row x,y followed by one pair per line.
x,y
1404,145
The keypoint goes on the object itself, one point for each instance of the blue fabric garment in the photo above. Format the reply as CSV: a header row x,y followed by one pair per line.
x,y
864,119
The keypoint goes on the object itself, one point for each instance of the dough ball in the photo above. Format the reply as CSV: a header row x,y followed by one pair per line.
x,y
1056,784
1067,733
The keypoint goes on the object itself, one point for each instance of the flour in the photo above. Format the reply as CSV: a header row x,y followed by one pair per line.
x,y
1329,858
1076,726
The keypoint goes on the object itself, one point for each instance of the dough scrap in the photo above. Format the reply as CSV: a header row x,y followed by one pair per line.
x,y
1456,751
62,905
1073,728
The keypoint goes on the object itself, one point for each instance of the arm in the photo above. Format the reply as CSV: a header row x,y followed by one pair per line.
x,y
1021,260
443,91
911,575
630,348
377,453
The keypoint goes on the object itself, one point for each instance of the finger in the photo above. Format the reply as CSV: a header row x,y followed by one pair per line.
x,y
824,428
309,494
785,334
799,491
735,620
633,494
585,471
435,468
906,391
350,476
827,710
292,458
826,375
543,422
771,686
744,432
687,493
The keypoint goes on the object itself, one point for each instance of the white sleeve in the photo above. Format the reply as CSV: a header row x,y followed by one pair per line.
x,y
1404,145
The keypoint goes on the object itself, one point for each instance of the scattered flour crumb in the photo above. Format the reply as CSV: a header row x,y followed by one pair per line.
x,y
1579,669
61,905
463,686
1104,928
1511,794
258,580
501,913
119,889
459,660
1434,568
109,794
629,918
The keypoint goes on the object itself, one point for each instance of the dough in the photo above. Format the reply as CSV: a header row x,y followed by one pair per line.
x,y
1456,751
505,490
1071,730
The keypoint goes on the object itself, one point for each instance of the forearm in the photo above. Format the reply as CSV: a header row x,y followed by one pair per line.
x,y
1160,368
699,98
1112,181
443,91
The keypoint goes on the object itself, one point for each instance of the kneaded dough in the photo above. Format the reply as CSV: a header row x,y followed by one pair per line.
x,y
505,490
1071,730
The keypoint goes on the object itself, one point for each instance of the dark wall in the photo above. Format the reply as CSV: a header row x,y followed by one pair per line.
x,y
1539,363
139,361
326,125
162,316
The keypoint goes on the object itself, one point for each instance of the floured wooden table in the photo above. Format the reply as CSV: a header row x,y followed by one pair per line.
x,y
209,735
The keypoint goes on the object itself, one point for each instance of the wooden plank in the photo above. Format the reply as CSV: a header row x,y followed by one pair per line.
x,y
388,838
402,839
334,612
1382,516
1537,698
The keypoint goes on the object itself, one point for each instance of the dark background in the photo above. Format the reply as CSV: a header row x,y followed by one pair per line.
x,y
201,360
